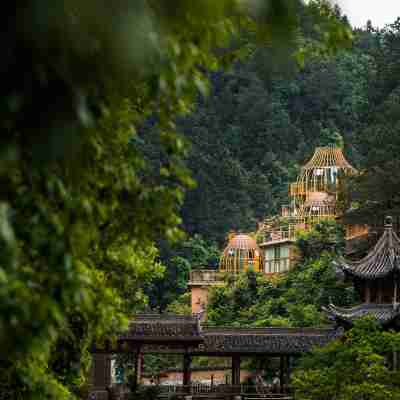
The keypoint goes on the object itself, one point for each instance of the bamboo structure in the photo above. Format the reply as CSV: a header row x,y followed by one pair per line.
x,y
314,195
241,253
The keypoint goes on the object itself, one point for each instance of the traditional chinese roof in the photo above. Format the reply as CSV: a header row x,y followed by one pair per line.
x,y
161,328
264,340
183,334
329,156
383,313
381,261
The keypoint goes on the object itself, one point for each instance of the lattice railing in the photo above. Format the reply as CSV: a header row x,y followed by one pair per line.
x,y
205,276
275,235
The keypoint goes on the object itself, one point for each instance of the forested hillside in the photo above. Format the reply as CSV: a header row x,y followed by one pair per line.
x,y
250,136
259,124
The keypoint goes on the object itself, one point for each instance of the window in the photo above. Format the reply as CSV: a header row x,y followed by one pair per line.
x,y
277,259
285,252
269,254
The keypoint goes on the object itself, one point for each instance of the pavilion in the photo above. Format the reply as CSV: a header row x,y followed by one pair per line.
x,y
185,335
376,278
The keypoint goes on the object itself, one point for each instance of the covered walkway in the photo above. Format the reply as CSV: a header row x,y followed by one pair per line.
x,y
185,335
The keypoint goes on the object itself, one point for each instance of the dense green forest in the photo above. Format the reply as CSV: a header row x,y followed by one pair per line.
x,y
259,124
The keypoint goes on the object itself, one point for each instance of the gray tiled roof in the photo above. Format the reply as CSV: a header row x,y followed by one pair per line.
x,y
381,261
264,340
187,332
156,327
384,313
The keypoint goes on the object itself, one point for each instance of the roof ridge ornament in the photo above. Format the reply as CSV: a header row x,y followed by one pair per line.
x,y
388,222
389,232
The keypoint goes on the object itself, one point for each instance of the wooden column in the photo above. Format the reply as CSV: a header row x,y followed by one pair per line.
x,y
236,370
187,360
380,291
395,360
282,372
101,367
290,364
367,292
286,370
137,373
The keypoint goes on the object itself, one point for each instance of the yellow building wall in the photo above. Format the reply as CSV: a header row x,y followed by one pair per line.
x,y
199,295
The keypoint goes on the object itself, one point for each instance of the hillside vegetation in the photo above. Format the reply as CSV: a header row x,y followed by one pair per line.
x,y
260,124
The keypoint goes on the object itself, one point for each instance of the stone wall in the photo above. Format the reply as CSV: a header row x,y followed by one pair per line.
x,y
199,298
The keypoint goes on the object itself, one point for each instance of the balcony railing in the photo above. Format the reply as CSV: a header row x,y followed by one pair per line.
x,y
280,234
205,276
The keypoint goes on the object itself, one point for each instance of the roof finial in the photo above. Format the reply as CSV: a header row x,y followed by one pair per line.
x,y
389,228
388,222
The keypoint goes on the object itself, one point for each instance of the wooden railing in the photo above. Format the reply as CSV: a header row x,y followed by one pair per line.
x,y
205,276
201,390
275,235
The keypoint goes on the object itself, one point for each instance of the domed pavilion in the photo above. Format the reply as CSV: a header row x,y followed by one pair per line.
x,y
241,253
313,198
314,195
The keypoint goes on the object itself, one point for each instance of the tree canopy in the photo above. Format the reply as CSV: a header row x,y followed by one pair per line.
x,y
358,365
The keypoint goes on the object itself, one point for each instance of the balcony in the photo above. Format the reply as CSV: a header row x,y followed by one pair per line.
x,y
279,235
205,277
